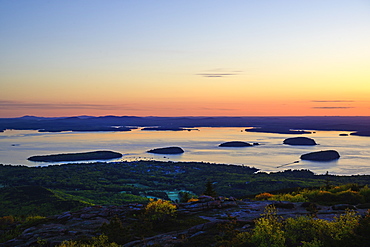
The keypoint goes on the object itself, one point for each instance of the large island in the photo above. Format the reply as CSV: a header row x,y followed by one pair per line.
x,y
95,155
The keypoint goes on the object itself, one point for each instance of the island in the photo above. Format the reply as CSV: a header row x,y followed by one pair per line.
x,y
94,155
361,133
86,129
326,155
236,144
166,129
167,150
300,141
278,131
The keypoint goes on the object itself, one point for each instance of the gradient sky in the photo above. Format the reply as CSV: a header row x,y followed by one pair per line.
x,y
184,58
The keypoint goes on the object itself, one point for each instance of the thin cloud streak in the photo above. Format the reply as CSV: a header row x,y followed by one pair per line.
x,y
332,107
220,72
332,101
26,105
216,74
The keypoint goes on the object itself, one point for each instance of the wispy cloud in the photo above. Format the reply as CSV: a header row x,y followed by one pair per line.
x,y
220,73
215,74
332,101
30,105
332,107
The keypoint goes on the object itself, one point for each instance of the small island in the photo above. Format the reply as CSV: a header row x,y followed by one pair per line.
x,y
300,141
278,131
326,155
236,144
166,129
361,133
95,155
167,150
86,129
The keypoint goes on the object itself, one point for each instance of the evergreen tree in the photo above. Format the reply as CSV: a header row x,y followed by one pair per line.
x,y
210,190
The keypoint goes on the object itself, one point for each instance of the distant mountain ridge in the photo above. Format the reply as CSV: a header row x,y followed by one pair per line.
x,y
126,123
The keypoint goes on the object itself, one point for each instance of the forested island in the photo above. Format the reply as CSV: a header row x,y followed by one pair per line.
x,y
94,155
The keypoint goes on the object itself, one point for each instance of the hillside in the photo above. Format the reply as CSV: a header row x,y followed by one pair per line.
x,y
35,200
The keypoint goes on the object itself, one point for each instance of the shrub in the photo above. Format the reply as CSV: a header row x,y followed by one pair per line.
x,y
263,196
100,241
290,197
320,196
349,196
344,187
115,231
365,192
160,210
6,220
268,230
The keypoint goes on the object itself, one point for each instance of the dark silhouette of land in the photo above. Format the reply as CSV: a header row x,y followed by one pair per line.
x,y
300,141
235,144
95,155
167,150
284,125
326,155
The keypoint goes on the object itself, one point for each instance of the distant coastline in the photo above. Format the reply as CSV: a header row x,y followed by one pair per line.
x,y
283,125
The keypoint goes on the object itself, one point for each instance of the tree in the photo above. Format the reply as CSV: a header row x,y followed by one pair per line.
x,y
210,191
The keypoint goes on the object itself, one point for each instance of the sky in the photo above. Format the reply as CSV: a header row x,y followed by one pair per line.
x,y
184,58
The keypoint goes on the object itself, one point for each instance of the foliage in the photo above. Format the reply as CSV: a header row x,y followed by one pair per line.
x,y
5,221
270,230
116,183
263,196
210,190
100,241
116,232
293,197
34,200
347,193
365,193
160,210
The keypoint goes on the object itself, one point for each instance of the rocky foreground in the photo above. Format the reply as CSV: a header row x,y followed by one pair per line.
x,y
86,223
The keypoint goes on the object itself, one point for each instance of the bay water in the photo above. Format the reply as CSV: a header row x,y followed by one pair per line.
x,y
200,145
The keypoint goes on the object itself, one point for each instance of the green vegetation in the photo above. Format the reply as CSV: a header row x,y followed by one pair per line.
x,y
270,230
35,200
160,210
156,218
100,241
11,226
120,182
348,194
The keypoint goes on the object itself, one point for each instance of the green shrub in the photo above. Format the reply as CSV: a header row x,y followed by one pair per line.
x,y
270,230
263,196
344,187
289,197
349,196
365,192
116,232
5,221
100,241
160,210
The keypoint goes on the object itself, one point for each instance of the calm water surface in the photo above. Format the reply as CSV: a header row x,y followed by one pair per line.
x,y
201,145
